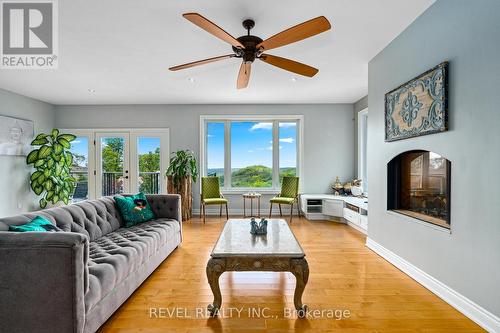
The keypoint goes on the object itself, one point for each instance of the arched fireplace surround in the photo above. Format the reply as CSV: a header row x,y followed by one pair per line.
x,y
418,185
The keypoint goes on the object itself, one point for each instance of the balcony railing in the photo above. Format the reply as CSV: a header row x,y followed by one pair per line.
x,y
81,186
149,182
112,183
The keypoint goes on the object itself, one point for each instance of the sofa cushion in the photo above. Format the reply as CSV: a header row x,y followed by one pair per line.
x,y
282,200
114,256
215,201
134,209
39,223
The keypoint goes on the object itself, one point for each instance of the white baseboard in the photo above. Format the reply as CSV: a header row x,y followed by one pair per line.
x,y
481,316
357,227
239,212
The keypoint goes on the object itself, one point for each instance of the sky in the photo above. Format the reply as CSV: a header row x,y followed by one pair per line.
x,y
80,146
146,145
251,144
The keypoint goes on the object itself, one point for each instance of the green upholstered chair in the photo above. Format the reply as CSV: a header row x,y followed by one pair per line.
x,y
289,195
210,195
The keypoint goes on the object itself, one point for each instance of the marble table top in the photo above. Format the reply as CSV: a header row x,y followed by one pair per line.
x,y
236,240
251,195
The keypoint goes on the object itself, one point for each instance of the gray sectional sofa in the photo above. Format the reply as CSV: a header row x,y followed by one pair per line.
x,y
73,281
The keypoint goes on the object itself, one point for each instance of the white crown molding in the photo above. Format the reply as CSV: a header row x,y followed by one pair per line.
x,y
475,312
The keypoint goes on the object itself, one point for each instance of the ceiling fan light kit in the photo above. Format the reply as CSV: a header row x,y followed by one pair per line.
x,y
249,47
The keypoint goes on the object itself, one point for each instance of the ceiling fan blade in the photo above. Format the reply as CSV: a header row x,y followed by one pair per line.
x,y
201,62
212,28
296,33
289,65
244,75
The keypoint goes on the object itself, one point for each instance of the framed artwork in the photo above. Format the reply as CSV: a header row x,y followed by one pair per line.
x,y
15,136
419,106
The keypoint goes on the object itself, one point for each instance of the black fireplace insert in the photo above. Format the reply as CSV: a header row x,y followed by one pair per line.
x,y
418,185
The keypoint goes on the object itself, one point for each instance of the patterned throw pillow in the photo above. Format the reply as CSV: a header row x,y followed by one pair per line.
x,y
135,209
39,223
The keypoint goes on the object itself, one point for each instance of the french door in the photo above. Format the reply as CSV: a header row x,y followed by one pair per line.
x,y
109,162
113,163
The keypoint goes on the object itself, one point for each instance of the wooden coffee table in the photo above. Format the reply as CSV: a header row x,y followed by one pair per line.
x,y
238,250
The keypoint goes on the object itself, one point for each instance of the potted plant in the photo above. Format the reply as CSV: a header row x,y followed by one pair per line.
x,y
181,172
52,161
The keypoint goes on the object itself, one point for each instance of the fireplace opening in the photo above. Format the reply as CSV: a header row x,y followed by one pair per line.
x,y
418,185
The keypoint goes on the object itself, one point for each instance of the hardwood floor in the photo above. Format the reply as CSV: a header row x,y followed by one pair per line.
x,y
344,275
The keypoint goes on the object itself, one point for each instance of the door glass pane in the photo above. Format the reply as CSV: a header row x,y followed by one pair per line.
x,y
215,150
251,154
288,149
79,168
148,150
112,158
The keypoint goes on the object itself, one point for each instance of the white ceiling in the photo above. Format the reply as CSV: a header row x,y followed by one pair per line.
x,y
123,48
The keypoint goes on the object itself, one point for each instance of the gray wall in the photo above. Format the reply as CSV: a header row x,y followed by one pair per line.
x,y
15,193
328,150
358,106
466,33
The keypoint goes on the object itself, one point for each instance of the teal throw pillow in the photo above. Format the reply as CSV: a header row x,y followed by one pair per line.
x,y
39,223
135,209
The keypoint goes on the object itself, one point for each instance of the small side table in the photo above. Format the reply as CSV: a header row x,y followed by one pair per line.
x,y
251,196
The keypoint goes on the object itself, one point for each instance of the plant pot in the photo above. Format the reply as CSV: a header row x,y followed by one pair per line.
x,y
184,189
57,204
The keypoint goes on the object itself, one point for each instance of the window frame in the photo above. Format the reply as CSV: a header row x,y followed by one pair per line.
x,y
363,149
275,119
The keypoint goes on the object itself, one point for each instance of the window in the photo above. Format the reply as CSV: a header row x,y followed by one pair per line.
x,y
362,148
148,149
82,169
79,168
215,150
112,156
288,149
250,152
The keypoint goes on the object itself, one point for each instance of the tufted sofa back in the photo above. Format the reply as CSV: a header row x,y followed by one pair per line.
x,y
163,205
93,218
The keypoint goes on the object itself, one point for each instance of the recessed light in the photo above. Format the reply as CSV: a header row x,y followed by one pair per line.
x,y
294,79
90,90
191,79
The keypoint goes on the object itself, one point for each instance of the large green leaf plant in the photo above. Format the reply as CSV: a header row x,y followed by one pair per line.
x,y
52,161
182,164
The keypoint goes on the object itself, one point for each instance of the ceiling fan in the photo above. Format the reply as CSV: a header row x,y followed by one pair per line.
x,y
250,47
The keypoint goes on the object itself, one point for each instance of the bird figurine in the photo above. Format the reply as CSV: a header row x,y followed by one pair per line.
x,y
258,228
